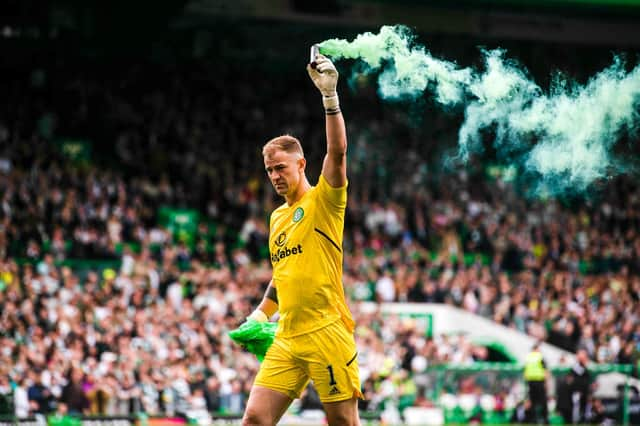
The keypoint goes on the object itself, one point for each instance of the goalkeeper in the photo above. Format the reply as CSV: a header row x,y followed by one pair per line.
x,y
314,339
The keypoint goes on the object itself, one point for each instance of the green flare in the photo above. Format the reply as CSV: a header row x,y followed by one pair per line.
x,y
408,68
565,136
255,336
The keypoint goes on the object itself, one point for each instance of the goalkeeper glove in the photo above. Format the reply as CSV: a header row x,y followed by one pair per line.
x,y
325,76
255,336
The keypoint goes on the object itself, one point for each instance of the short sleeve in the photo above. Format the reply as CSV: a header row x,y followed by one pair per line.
x,y
335,197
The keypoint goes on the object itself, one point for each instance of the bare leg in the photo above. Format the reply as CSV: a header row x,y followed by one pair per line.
x,y
265,407
342,413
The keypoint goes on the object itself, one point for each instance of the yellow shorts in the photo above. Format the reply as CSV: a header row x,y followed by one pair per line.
x,y
326,356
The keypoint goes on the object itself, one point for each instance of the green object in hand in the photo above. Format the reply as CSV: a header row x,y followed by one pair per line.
x,y
255,336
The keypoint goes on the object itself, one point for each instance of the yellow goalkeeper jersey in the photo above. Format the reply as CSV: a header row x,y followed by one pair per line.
x,y
305,244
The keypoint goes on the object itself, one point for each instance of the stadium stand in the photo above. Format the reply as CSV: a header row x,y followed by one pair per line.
x,y
130,244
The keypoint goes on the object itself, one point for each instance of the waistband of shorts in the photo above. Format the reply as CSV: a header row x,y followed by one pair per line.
x,y
309,331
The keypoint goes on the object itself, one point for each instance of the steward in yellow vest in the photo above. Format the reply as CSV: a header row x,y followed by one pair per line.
x,y
535,374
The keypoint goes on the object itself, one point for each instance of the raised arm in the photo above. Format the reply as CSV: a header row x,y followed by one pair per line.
x,y
325,77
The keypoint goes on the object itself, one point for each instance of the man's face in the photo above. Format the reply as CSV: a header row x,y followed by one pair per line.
x,y
583,356
284,170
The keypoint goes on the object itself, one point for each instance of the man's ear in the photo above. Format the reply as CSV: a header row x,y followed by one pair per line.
x,y
302,163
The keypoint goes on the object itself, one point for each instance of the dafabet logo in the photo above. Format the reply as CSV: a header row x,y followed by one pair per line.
x,y
280,239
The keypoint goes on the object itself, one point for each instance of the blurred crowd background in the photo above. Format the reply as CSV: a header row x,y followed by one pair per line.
x,y
105,309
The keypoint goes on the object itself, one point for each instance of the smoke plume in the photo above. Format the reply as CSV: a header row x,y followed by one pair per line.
x,y
564,136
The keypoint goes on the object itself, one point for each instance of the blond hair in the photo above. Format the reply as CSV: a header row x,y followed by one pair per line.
x,y
286,143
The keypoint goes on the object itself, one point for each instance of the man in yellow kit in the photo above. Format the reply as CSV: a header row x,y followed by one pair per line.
x,y
314,339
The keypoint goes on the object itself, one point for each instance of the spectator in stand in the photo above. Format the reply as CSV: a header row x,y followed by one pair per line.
x,y
580,387
212,394
235,400
73,394
21,403
40,397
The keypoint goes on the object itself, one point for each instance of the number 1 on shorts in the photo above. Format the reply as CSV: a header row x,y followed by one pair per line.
x,y
333,380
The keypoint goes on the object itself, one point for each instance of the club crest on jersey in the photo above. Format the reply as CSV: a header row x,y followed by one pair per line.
x,y
298,214
281,239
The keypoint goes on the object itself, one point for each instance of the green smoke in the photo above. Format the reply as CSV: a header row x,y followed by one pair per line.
x,y
564,136
407,68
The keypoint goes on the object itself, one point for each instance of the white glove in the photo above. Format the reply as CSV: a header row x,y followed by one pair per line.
x,y
325,76
259,316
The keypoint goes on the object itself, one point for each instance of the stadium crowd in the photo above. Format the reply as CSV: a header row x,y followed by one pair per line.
x,y
148,332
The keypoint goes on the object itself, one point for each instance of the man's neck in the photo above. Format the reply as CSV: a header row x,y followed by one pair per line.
x,y
302,189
